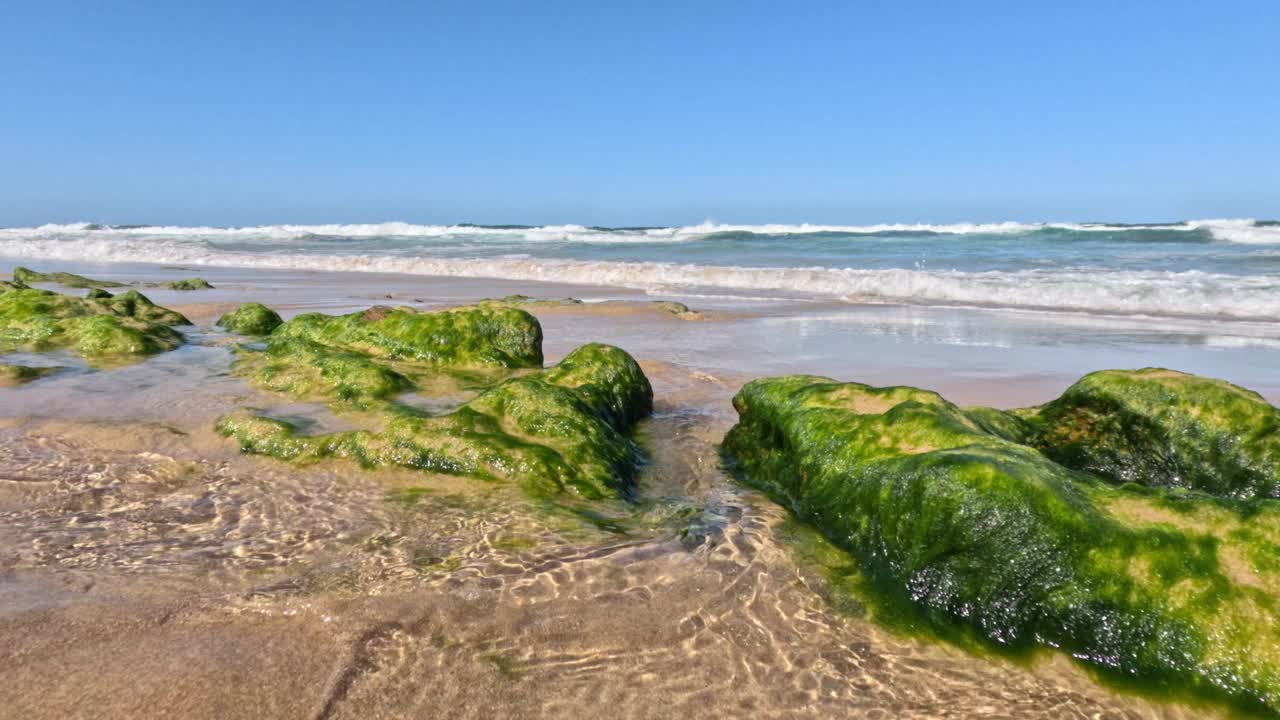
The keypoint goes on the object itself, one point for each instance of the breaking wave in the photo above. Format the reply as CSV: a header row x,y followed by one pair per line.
x,y
1084,289
1245,231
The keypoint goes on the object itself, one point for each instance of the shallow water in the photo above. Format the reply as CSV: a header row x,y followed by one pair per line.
x,y
148,567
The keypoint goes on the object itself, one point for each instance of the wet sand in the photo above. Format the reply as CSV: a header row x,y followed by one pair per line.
x,y
148,569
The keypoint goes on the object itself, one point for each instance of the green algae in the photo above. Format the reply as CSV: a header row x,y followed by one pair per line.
x,y
124,326
11,374
560,429
988,537
309,370
508,667
25,276
188,284
364,360
460,337
251,319
1166,429
525,300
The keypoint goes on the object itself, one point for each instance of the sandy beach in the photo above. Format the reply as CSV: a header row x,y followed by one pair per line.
x,y
151,569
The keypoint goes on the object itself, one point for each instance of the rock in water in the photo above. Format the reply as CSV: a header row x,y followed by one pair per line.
x,y
466,336
563,428
251,319
189,284
944,508
11,374
116,327
26,276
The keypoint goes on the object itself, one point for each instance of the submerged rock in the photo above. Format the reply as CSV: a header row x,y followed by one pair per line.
x,y
678,309
115,326
26,276
188,284
948,511
251,319
11,374
525,300
560,429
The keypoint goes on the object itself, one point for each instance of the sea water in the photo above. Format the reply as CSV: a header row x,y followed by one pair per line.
x,y
1210,269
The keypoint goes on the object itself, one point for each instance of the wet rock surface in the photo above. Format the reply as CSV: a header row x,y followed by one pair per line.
x,y
949,514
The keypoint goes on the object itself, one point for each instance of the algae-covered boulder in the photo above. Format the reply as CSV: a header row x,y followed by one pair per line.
x,y
367,357
465,336
548,431
120,326
251,319
560,429
188,284
947,512
1167,429
27,276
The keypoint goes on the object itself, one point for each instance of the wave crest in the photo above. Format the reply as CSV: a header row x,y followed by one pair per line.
x,y
1157,293
1225,230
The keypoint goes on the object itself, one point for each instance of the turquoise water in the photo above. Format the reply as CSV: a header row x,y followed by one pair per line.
x,y
1227,269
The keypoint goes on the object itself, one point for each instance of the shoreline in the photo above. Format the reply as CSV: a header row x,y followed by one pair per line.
x,y
1003,358
132,524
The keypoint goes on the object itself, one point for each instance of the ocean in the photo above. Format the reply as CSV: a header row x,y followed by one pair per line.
x,y
1206,269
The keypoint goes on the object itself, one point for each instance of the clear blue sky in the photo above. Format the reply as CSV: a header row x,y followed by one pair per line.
x,y
650,113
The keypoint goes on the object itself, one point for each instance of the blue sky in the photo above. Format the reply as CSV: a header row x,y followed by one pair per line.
x,y
608,113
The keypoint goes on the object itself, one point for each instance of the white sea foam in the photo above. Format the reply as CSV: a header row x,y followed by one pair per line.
x,y
1133,292
1226,230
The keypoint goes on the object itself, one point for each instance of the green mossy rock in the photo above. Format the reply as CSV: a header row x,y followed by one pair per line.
x,y
527,301
98,294
11,375
560,429
474,336
251,319
120,326
947,513
1163,428
26,276
188,284
308,370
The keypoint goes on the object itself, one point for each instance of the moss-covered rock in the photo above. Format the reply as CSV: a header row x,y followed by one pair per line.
x,y
365,358
251,319
945,511
119,326
27,276
560,429
1163,428
188,284
527,301
459,337
309,370
11,374
97,294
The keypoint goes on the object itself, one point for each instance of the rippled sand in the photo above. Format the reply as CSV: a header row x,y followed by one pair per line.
x,y
147,569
